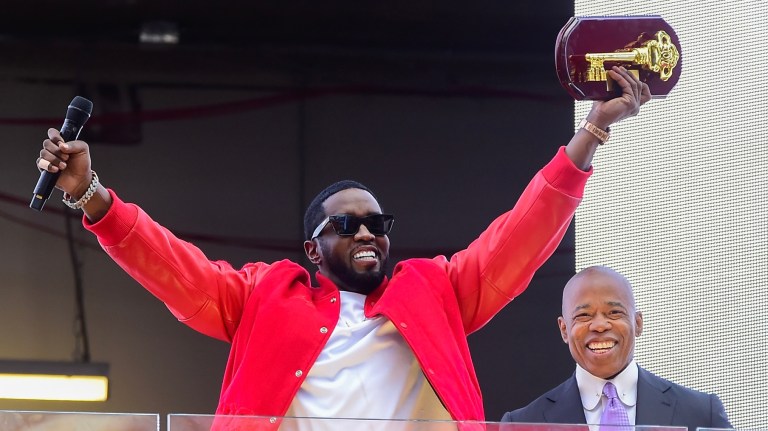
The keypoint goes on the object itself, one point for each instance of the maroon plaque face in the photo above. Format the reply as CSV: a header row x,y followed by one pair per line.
x,y
587,46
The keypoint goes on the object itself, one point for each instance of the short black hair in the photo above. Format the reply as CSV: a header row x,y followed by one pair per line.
x,y
315,213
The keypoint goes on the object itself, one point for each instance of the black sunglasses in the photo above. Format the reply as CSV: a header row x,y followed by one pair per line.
x,y
348,225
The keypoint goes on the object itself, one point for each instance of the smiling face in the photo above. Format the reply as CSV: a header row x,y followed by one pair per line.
x,y
599,321
354,263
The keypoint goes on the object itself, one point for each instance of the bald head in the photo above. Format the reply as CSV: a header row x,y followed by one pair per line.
x,y
599,321
599,272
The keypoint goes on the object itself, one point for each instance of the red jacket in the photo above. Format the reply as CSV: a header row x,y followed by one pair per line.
x,y
274,318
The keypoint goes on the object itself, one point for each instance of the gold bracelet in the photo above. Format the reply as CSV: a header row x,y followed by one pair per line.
x,y
602,135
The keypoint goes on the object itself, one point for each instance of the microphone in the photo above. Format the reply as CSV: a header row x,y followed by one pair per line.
x,y
78,112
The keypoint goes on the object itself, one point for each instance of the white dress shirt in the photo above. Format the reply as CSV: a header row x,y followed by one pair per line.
x,y
591,390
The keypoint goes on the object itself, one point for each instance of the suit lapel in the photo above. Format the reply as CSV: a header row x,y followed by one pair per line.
x,y
655,404
566,405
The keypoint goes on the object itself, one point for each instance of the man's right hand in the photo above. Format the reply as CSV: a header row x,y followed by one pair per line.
x,y
70,158
73,160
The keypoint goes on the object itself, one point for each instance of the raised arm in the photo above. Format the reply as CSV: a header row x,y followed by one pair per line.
x,y
206,295
73,160
498,265
603,114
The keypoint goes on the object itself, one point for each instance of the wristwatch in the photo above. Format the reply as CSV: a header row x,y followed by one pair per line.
x,y
602,135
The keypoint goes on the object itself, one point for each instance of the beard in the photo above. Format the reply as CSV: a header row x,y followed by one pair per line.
x,y
353,281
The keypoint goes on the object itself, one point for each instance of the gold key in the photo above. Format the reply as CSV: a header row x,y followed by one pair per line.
x,y
658,55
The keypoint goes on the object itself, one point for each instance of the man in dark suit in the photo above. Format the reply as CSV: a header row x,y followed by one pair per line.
x,y
599,323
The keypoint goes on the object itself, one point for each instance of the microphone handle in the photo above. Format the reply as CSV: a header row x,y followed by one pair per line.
x,y
47,181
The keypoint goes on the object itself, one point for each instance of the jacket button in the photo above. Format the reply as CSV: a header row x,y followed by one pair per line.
x,y
298,373
272,420
333,299
403,324
323,330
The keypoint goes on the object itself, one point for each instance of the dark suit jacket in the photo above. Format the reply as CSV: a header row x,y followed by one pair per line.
x,y
659,402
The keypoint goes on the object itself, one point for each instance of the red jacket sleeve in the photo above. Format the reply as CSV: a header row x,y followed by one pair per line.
x,y
499,264
207,295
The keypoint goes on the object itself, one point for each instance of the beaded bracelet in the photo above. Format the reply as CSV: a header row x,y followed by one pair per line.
x,y
86,197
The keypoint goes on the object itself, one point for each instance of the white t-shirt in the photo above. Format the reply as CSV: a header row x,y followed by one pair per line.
x,y
366,370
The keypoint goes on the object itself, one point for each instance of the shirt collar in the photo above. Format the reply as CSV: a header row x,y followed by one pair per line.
x,y
591,387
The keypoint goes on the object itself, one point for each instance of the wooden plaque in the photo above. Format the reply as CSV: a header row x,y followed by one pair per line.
x,y
645,45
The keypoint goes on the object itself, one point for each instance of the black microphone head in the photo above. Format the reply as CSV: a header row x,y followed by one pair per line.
x,y
79,110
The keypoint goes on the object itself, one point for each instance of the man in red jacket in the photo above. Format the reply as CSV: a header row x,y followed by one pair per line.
x,y
357,345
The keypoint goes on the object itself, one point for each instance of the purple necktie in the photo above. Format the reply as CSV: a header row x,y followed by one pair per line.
x,y
614,412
